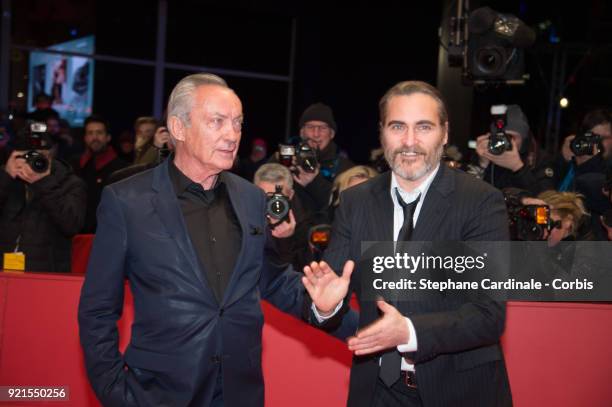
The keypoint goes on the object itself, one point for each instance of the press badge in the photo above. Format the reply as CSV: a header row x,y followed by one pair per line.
x,y
14,261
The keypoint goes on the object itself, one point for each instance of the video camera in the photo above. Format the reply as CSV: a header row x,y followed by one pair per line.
x,y
278,206
305,156
499,141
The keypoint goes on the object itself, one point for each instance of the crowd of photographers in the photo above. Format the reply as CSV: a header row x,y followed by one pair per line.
x,y
51,180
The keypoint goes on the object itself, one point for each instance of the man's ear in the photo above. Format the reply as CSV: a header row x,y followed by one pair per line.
x,y
333,134
446,133
177,128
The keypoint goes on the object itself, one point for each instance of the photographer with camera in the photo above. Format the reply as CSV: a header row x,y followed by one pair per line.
x,y
316,160
582,165
507,156
290,221
588,150
42,204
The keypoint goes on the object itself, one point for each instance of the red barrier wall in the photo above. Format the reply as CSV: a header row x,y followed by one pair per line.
x,y
557,354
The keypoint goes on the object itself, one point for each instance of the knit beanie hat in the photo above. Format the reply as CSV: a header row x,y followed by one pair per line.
x,y
320,112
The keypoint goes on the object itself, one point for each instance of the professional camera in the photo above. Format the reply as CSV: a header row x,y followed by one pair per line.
x,y
278,205
530,222
305,157
499,141
527,222
37,161
286,152
584,143
35,137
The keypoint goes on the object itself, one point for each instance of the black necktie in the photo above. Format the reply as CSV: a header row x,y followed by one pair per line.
x,y
406,231
391,362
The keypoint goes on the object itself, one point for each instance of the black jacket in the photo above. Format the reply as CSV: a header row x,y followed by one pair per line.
x,y
47,214
96,171
315,196
459,361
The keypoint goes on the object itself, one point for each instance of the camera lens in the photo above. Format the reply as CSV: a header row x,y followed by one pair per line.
x,y
277,207
37,161
490,61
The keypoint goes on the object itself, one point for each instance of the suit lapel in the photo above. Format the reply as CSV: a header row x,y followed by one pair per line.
x,y
435,206
167,206
382,210
238,204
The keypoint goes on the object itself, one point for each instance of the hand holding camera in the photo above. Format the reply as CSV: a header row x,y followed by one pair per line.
x,y
301,160
161,137
582,146
30,166
509,159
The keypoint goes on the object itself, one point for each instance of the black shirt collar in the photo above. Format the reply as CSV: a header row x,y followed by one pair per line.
x,y
182,183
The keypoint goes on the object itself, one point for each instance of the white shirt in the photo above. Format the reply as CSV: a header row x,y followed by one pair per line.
x,y
398,221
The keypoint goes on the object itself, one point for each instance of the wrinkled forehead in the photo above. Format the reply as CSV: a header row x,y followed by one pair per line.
x,y
216,99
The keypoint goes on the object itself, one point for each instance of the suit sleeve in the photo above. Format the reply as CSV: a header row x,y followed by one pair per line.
x,y
346,321
101,304
476,323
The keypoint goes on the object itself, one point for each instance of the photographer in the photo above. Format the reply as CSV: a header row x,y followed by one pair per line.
x,y
517,164
291,230
146,144
42,204
317,130
590,156
162,138
582,165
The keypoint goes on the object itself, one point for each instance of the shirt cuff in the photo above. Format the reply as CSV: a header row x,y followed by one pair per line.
x,y
411,346
321,318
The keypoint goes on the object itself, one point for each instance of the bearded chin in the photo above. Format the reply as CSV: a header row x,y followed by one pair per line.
x,y
395,163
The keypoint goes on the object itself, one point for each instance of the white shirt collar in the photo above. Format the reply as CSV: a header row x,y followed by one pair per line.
x,y
398,213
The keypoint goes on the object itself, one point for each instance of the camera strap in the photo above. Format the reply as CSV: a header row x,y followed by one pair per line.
x,y
569,177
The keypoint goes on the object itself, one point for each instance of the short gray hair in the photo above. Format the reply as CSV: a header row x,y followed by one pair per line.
x,y
274,174
180,102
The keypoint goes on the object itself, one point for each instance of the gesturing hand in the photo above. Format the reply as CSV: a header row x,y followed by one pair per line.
x,y
386,332
325,287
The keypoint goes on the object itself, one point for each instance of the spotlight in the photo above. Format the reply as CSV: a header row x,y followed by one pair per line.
x,y
563,102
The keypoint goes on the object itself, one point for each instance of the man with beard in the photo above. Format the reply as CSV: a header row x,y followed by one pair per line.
x,y
96,165
435,351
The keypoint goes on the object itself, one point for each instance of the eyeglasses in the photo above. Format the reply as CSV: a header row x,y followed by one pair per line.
x,y
315,127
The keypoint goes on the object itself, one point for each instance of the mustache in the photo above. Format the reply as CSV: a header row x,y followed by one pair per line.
x,y
415,150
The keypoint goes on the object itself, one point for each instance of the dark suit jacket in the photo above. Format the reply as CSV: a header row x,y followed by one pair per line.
x,y
181,334
459,361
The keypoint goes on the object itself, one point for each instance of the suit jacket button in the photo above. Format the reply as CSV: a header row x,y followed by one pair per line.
x,y
221,311
215,359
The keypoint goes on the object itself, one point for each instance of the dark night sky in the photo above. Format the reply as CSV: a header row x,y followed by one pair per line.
x,y
348,54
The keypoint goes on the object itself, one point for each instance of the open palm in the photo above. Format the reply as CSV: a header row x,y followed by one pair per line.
x,y
325,287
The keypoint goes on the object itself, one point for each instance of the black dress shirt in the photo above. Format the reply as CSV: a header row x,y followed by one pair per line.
x,y
212,226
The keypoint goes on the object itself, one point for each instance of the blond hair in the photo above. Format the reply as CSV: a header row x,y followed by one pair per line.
x,y
566,204
341,182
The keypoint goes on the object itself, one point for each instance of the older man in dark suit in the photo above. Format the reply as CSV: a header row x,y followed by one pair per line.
x,y
192,240
436,351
